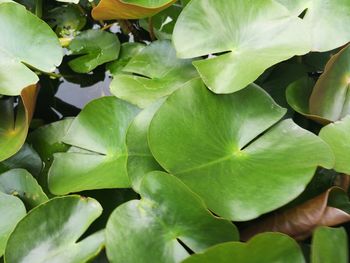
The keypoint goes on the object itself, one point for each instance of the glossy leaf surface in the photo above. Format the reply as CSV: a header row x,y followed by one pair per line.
x,y
159,73
243,31
24,40
98,156
263,248
168,212
55,238
227,152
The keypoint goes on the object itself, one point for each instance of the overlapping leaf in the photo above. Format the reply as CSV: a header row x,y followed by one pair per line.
x,y
129,9
98,156
159,73
25,40
152,229
224,148
55,240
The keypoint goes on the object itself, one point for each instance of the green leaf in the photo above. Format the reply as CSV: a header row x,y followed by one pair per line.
x,y
127,52
244,32
98,157
96,47
55,240
227,151
129,9
329,245
20,183
263,248
140,159
159,73
151,228
12,210
337,136
25,40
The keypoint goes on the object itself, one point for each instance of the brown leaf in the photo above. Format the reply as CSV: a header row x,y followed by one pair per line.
x,y
300,221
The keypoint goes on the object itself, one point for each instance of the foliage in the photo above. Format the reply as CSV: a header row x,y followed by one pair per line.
x,y
203,131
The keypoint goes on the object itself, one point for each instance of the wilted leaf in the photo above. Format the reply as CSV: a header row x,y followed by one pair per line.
x,y
129,9
243,31
98,157
216,143
96,47
329,245
14,127
66,219
168,215
263,248
328,209
158,73
25,40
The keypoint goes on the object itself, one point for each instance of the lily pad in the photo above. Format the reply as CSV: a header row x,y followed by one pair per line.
x,y
243,32
329,245
25,38
158,73
20,183
168,215
263,248
96,47
337,136
98,157
66,219
129,9
14,127
227,151
12,210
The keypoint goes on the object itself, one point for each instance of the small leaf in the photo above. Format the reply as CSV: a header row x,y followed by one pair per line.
x,y
20,183
12,210
96,159
230,151
129,9
329,245
96,47
159,73
66,219
263,248
153,228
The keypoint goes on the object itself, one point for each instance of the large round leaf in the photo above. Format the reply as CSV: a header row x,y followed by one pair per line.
x,y
11,210
159,73
337,136
263,248
243,29
98,158
152,229
20,183
49,233
25,40
129,9
223,148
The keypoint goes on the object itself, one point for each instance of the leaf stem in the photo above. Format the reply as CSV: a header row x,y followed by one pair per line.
x,y
39,8
151,29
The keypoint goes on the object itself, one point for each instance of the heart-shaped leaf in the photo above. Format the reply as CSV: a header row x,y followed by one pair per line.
x,y
25,40
226,151
161,74
168,215
12,210
129,9
328,209
96,47
98,156
20,183
263,248
337,136
14,127
243,31
66,219
329,245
